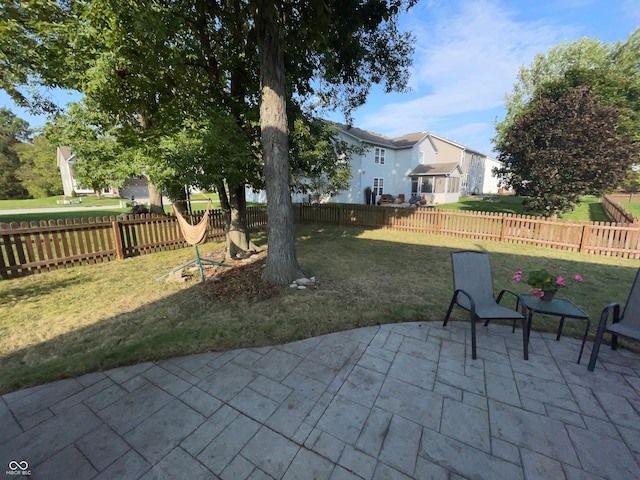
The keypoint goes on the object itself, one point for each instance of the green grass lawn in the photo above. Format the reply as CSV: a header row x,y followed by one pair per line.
x,y
38,217
51,202
77,320
87,201
633,208
77,211
589,209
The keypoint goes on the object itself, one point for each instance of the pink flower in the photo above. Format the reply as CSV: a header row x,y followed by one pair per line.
x,y
578,278
560,281
517,276
536,292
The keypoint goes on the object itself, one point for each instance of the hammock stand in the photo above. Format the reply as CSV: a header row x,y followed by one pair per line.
x,y
194,235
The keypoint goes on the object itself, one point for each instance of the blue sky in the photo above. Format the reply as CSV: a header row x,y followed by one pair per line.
x,y
467,57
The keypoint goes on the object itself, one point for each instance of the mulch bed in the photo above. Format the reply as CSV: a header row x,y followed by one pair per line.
x,y
241,282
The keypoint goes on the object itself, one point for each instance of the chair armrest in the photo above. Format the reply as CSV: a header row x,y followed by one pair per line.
x,y
605,314
472,304
602,325
512,293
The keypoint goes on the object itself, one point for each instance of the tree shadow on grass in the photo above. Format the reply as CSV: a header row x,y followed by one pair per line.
x,y
597,213
364,279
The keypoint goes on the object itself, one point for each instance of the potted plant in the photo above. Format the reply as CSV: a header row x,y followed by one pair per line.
x,y
544,284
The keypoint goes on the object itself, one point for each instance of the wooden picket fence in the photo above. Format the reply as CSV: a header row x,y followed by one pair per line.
x,y
35,247
611,204
42,246
599,238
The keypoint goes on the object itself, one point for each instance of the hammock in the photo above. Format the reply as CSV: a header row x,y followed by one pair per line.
x,y
193,234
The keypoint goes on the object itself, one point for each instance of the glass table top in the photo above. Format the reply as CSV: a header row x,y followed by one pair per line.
x,y
557,306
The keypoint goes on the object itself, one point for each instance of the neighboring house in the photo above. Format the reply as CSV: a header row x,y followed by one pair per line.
x,y
432,168
490,182
65,160
428,166
477,173
134,187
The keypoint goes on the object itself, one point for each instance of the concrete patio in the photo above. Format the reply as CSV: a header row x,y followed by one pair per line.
x,y
391,402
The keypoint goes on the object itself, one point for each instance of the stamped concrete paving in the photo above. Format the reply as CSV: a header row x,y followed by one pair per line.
x,y
397,401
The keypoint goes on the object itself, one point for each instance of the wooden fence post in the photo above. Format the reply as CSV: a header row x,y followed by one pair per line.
x,y
117,239
584,240
503,226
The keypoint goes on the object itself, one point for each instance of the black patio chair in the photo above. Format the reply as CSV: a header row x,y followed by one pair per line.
x,y
473,291
626,325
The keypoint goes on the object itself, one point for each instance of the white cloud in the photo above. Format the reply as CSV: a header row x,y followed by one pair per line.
x,y
465,61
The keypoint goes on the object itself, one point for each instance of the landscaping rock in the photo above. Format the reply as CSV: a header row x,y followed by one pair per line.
x,y
304,281
177,276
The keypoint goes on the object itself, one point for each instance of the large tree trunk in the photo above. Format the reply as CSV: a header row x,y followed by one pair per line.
x,y
233,202
155,199
282,265
180,202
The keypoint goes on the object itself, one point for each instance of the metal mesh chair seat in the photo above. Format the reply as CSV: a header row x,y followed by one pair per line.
x,y
473,291
625,324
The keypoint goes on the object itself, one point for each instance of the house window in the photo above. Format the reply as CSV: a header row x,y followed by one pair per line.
x,y
465,182
378,186
454,185
378,155
427,185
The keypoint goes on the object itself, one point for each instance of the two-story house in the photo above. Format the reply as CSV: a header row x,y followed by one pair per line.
x,y
424,165
477,174
428,167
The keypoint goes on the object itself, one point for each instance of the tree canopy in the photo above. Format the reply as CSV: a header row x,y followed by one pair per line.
x,y
610,68
549,153
572,124
37,171
159,68
99,160
13,131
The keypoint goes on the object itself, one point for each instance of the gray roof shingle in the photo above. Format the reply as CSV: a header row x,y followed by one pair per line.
x,y
405,141
434,169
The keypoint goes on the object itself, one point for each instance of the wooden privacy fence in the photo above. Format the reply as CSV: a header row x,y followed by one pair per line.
x,y
34,247
600,238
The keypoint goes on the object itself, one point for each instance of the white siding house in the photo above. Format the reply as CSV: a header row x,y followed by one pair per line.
x,y
427,166
477,174
65,160
490,182
385,165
